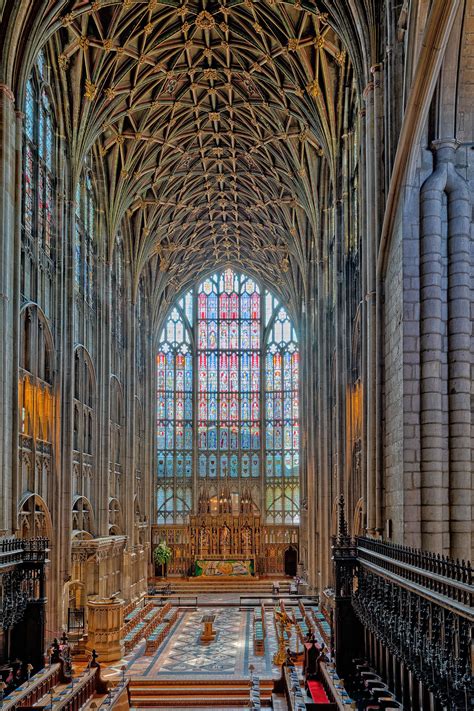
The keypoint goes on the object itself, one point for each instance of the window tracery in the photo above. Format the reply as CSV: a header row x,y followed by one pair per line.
x,y
84,424
116,453
85,238
39,182
36,401
228,399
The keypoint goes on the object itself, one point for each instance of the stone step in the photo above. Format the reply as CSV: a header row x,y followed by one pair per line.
x,y
185,693
196,702
193,684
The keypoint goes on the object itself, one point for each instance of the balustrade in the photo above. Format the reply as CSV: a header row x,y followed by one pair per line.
x,y
413,612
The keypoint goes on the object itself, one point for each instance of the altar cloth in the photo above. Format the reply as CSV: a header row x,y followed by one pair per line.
x,y
228,567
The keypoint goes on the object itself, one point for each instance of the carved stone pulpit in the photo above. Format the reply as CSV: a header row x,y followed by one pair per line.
x,y
105,622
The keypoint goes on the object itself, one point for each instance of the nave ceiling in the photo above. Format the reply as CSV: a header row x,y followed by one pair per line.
x,y
212,125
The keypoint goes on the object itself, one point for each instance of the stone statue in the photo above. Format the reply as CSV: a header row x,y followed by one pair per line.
x,y
203,540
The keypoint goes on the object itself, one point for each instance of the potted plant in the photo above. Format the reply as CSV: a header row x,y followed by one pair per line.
x,y
162,556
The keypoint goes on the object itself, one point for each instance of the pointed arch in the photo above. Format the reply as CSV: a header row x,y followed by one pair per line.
x,y
228,389
34,517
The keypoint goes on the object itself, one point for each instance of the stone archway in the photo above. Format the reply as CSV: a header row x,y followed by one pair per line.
x,y
290,558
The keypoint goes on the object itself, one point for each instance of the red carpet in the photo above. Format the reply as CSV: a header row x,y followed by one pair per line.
x,y
316,689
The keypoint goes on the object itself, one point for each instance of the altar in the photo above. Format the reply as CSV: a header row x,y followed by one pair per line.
x,y
224,567
223,540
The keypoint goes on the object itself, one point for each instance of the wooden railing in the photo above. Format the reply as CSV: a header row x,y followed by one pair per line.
x,y
75,695
114,695
31,691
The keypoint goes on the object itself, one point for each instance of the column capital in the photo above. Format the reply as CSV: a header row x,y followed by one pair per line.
x,y
444,148
368,89
439,143
8,92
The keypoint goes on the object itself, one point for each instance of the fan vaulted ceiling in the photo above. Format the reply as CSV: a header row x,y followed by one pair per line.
x,y
211,120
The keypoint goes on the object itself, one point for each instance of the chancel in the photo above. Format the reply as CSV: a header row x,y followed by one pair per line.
x,y
236,355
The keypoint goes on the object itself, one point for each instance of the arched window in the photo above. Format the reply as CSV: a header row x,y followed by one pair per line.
x,y
282,440
228,407
117,293
83,409
175,410
35,400
85,241
39,161
116,439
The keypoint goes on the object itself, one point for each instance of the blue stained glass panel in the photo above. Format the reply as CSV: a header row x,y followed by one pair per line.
x,y
212,467
188,437
212,438
255,466
188,466
255,435
161,465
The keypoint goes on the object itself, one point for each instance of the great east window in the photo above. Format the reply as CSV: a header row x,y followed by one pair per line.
x,y
228,403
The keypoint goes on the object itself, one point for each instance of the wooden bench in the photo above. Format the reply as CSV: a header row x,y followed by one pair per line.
x,y
160,629
259,630
141,629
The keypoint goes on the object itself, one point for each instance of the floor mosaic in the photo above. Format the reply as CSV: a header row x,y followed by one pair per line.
x,y
229,655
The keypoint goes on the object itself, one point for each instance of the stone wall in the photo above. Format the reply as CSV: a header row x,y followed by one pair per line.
x,y
393,385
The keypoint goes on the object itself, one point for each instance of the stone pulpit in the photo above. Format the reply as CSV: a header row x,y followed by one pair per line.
x,y
105,622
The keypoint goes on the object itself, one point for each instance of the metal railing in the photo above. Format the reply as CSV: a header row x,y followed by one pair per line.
x,y
75,619
177,600
14,551
419,606
446,577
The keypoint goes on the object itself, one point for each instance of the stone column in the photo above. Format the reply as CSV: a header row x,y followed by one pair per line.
x,y
60,495
103,392
149,407
377,199
370,310
446,488
324,476
129,459
363,308
105,622
8,325
374,201
309,418
459,364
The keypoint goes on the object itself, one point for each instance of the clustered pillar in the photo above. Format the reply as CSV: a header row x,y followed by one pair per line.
x,y
445,357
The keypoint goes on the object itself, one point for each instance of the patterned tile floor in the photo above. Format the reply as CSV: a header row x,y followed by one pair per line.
x,y
229,655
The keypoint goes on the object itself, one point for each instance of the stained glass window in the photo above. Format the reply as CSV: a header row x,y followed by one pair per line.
x,y
175,417
234,338
281,419
39,162
84,242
